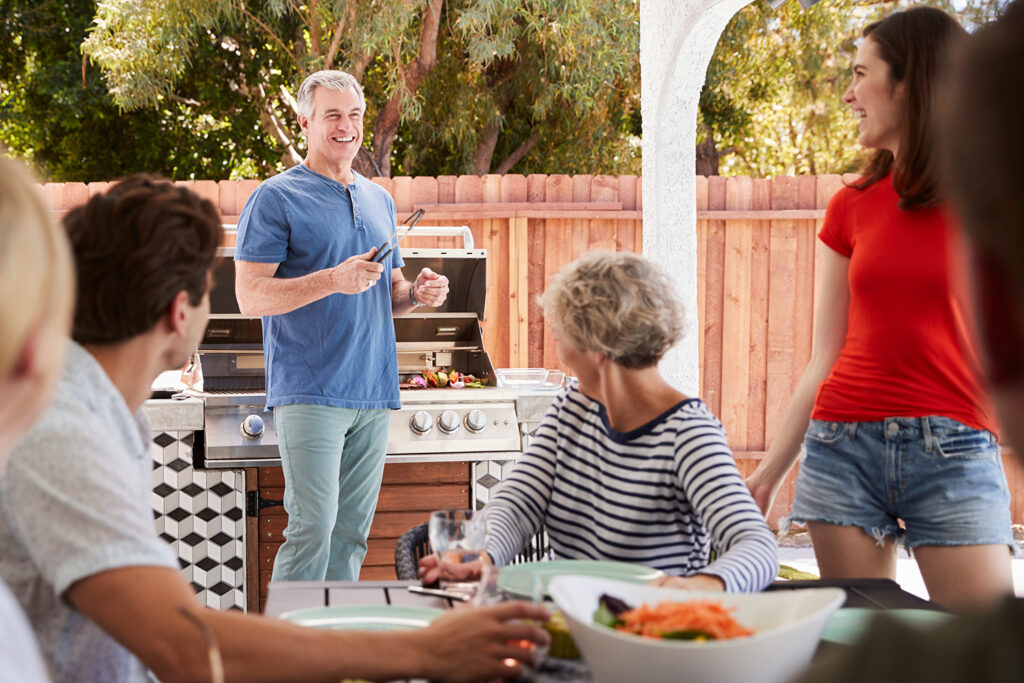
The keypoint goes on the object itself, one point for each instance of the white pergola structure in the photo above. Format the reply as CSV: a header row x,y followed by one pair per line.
x,y
677,40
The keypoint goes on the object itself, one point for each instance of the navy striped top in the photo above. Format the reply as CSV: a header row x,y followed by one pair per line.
x,y
662,495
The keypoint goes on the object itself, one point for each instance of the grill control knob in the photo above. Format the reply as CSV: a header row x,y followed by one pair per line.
x,y
476,421
252,427
448,421
421,422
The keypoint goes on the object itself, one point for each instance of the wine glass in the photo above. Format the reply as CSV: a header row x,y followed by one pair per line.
x,y
457,537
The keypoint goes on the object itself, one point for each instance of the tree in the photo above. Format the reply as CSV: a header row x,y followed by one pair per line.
x,y
772,102
56,112
506,70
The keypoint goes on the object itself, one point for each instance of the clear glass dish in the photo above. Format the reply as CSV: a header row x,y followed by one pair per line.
x,y
530,379
521,378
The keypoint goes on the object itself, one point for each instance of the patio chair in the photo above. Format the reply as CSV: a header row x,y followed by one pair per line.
x,y
414,544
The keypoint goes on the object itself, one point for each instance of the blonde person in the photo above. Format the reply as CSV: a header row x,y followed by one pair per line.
x,y
624,466
894,421
35,316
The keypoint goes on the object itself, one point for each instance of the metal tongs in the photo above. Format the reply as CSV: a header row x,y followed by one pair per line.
x,y
411,221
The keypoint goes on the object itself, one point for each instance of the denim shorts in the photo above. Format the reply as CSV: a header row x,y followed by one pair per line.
x,y
945,480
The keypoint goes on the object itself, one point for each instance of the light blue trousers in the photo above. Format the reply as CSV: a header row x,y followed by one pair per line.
x,y
333,461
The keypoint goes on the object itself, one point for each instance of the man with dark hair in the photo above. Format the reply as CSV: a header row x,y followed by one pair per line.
x,y
981,131
103,592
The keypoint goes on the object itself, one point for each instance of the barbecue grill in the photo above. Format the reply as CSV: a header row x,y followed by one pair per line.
x,y
433,424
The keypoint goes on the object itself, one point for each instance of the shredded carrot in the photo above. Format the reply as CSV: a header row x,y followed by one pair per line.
x,y
697,615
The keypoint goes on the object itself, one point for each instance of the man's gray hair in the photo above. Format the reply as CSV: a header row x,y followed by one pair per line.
x,y
334,80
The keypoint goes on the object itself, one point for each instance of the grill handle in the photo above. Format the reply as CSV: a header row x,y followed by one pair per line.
x,y
462,231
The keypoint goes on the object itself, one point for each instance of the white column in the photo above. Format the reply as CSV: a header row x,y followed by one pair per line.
x,y
677,40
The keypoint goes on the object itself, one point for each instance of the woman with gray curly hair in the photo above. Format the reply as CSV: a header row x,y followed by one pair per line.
x,y
624,466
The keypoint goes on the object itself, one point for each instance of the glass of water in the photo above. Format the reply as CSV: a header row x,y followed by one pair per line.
x,y
458,537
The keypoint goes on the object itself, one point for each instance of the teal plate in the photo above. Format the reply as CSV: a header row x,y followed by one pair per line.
x,y
364,617
848,625
518,579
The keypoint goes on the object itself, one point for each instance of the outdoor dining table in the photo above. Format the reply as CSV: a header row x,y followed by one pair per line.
x,y
881,594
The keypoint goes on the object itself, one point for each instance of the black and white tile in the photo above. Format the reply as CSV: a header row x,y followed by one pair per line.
x,y
201,513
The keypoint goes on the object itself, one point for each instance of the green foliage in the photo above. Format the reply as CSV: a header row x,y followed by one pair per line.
x,y
567,70
56,112
203,87
773,95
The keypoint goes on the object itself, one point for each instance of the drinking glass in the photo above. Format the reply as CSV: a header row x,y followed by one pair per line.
x,y
457,537
488,593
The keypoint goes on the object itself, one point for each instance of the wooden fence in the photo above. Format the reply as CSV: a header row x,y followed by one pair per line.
x,y
756,273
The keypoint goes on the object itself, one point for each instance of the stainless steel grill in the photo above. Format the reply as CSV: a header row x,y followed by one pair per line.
x,y
433,424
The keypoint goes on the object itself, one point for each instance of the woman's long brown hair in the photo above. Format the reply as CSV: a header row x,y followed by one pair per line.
x,y
915,43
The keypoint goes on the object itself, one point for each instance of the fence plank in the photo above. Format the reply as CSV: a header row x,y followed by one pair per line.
x,y
468,188
627,191
702,278
227,198
402,194
245,189
758,307
558,251
715,269
783,301
536,191
520,286
580,228
446,188
53,194
98,188
424,190
736,315
513,189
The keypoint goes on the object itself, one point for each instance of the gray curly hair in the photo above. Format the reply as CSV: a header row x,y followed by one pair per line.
x,y
620,304
332,80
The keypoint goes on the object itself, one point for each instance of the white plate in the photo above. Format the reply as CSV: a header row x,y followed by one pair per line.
x,y
517,579
364,617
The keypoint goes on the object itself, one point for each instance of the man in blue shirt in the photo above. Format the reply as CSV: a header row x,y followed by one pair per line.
x,y
306,240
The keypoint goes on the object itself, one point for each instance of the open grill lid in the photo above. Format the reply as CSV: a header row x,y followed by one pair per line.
x,y
466,270
445,337
449,336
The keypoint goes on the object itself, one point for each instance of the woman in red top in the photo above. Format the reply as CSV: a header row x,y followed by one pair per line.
x,y
893,420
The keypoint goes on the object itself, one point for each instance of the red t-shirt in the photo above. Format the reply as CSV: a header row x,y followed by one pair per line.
x,y
907,351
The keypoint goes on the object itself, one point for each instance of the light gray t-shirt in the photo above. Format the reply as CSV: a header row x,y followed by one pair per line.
x,y
75,502
20,661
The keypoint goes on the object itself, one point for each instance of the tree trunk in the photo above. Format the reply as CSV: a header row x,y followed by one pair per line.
x,y
484,153
520,151
386,126
707,155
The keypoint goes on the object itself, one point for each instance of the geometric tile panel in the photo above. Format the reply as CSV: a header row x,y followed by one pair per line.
x,y
487,478
201,514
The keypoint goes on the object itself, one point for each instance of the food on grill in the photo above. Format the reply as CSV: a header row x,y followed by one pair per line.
x,y
415,382
441,379
698,620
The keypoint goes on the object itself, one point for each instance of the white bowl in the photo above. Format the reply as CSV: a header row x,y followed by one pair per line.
x,y
787,627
